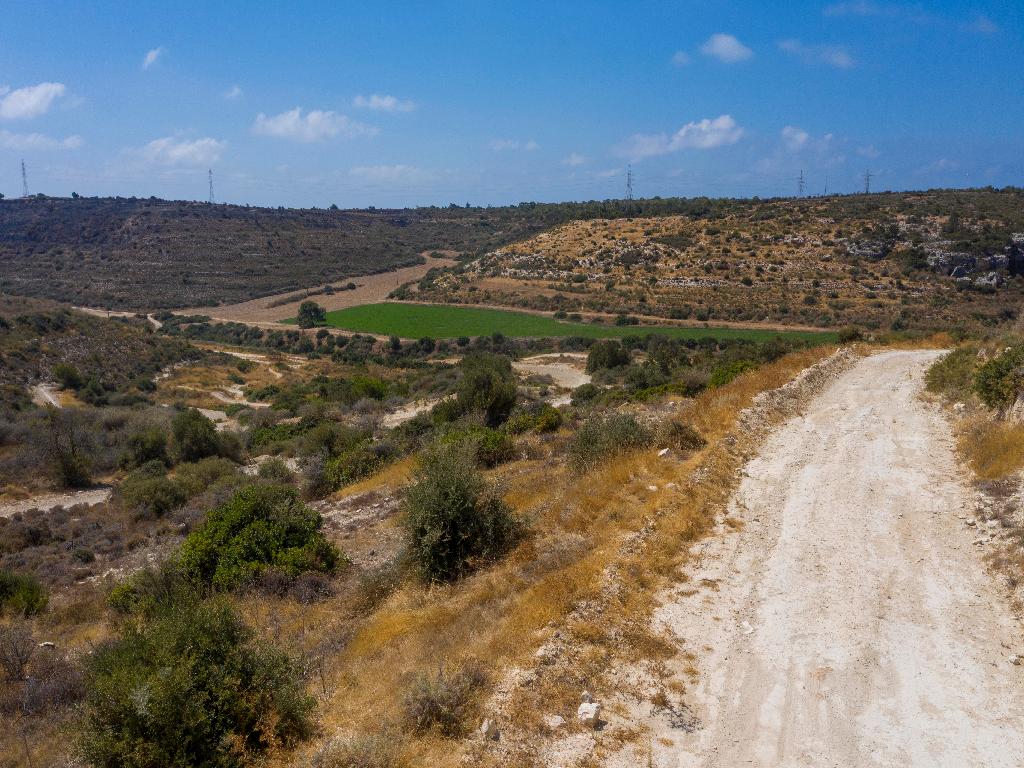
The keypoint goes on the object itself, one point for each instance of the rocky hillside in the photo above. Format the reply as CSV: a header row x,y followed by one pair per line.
x,y
928,260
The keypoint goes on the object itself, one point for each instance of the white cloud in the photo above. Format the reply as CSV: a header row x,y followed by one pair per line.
x,y
704,134
609,173
680,58
30,101
574,159
37,141
911,14
151,57
983,25
868,151
390,174
173,151
234,92
381,103
507,145
833,55
726,48
317,125
794,138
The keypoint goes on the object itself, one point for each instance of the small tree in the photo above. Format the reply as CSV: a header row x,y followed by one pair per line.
x,y
606,354
454,521
195,436
311,315
489,385
68,445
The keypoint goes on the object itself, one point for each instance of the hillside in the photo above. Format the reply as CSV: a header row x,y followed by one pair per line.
x,y
128,253
908,260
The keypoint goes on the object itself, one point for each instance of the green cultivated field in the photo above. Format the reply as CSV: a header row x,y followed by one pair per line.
x,y
414,321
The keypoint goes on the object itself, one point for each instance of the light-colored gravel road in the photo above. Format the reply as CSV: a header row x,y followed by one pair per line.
x,y
849,622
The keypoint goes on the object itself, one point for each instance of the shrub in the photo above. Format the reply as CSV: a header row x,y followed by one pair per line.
x,y
849,333
149,444
368,751
543,418
353,465
602,435
67,375
68,445
16,648
680,436
260,527
489,447
199,476
606,354
585,393
150,493
488,385
952,375
195,436
190,686
548,419
275,471
20,594
999,381
443,702
726,372
453,519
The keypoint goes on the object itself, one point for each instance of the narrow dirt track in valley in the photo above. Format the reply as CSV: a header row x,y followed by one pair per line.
x,y
849,621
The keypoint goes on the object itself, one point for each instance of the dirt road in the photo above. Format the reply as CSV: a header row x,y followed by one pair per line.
x,y
850,621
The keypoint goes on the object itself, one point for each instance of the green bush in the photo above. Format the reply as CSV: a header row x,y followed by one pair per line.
x,y
454,521
726,372
585,393
850,333
196,477
999,381
952,375
195,436
351,466
311,314
603,435
549,419
260,527
148,444
490,447
487,385
275,471
20,594
150,493
542,418
606,354
191,686
67,375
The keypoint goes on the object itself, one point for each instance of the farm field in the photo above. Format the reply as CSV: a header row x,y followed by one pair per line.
x,y
445,322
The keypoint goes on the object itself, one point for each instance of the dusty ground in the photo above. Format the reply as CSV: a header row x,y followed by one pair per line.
x,y
371,289
48,501
850,620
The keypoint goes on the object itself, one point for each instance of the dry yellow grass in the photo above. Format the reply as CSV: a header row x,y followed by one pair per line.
x,y
994,449
583,528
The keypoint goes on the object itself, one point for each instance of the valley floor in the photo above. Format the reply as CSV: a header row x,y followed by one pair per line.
x,y
849,621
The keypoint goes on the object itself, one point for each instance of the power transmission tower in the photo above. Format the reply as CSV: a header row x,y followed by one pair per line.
x,y
826,186
629,182
24,180
867,181
210,172
800,184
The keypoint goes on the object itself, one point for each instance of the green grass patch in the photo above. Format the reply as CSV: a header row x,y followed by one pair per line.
x,y
414,321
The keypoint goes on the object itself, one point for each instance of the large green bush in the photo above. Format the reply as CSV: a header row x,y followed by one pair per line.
x,y
454,520
148,444
260,527
606,354
190,686
952,375
489,447
605,435
726,372
150,493
488,385
1001,380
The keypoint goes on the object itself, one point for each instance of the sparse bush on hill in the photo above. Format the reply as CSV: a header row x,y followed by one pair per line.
x,y
149,492
489,447
195,436
189,686
604,435
443,702
148,444
488,385
454,521
606,354
952,375
680,436
850,333
1001,380
725,373
68,444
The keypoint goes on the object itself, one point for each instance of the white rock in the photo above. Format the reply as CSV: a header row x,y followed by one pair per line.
x,y
1015,660
589,713
652,488
959,407
663,451
47,644
554,721
489,729
745,626
970,521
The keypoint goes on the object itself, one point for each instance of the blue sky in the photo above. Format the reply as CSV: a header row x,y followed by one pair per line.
x,y
393,104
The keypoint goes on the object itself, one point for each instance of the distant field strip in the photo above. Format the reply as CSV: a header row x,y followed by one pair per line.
x,y
415,321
